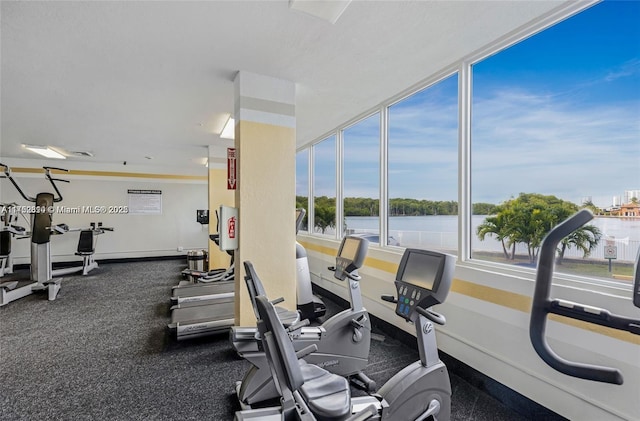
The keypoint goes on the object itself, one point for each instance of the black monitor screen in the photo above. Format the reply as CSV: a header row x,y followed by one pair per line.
x,y
350,248
422,269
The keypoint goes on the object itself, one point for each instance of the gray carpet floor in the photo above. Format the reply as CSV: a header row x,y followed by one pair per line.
x,y
101,351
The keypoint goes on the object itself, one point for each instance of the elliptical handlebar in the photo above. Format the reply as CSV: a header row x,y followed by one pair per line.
x,y
7,174
544,305
56,168
47,173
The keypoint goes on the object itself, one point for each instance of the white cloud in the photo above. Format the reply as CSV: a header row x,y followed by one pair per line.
x,y
528,143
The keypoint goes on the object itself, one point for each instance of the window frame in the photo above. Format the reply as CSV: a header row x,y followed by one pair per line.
x,y
464,69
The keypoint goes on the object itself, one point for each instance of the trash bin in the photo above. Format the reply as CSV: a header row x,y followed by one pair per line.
x,y
195,260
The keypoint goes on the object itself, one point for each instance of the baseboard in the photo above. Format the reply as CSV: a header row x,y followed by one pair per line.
x,y
60,265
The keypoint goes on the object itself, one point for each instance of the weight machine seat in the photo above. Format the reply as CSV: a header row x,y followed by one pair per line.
x,y
85,243
327,395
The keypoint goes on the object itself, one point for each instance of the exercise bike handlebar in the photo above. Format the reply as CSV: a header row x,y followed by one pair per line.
x,y
429,314
544,305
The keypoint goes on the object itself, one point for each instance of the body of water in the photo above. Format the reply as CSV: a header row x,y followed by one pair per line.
x,y
440,231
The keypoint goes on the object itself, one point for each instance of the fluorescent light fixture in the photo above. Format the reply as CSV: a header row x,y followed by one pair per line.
x,y
229,130
329,10
45,151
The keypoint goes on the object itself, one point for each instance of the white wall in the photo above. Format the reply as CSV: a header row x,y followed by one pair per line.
x,y
134,235
487,328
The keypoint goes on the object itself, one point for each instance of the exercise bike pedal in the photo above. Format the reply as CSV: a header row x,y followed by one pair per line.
x,y
362,382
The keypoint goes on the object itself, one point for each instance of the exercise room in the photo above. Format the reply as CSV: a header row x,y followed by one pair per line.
x,y
320,210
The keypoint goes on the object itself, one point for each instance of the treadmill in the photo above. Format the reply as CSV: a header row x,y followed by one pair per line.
x,y
202,292
210,317
209,309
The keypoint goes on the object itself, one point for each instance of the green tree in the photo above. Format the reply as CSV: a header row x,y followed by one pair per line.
x,y
484,209
303,202
528,218
499,227
585,239
592,207
325,212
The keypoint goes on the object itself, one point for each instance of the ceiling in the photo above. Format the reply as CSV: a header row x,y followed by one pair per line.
x,y
152,82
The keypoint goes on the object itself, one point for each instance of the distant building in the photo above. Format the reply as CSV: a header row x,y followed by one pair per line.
x,y
616,202
630,194
630,209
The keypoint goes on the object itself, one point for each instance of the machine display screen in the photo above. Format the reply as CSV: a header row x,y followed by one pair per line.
x,y
350,248
422,270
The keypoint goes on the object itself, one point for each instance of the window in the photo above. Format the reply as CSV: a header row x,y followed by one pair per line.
x,y
302,184
361,178
324,186
423,168
554,129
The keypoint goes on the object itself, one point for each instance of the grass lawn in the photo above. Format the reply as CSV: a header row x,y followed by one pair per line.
x,y
591,268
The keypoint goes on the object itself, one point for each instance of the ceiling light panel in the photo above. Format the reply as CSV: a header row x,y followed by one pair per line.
x,y
45,151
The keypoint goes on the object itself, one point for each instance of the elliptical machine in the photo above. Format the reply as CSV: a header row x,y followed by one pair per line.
x,y
418,392
41,228
41,271
8,230
543,305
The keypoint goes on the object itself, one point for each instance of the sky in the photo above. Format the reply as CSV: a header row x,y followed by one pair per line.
x,y
558,113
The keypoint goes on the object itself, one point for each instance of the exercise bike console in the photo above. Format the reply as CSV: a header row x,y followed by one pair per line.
x,y
350,257
423,280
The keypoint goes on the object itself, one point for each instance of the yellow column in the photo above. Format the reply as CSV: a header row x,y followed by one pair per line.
x,y
218,195
265,149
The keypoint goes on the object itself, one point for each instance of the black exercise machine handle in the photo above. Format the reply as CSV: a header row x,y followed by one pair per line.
x,y
544,305
7,174
56,168
431,315
389,298
298,325
47,173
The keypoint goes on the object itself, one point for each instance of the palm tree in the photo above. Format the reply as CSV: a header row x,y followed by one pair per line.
x,y
497,226
585,239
